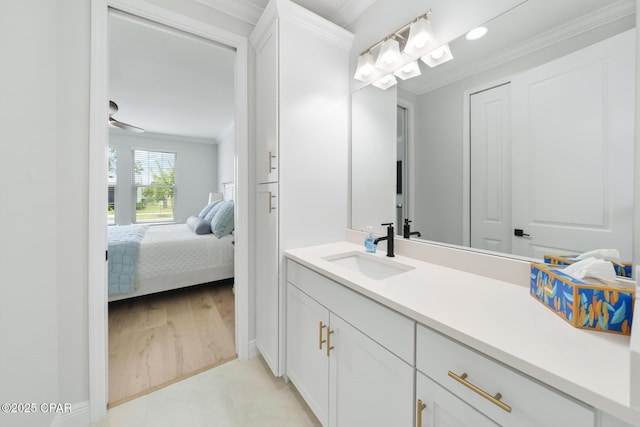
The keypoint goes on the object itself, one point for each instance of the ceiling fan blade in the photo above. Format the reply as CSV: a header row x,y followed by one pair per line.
x,y
125,126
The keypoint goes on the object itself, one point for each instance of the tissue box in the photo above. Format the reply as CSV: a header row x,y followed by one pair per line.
x,y
603,307
622,269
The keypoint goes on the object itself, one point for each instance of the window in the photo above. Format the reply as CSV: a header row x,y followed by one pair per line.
x,y
112,182
154,185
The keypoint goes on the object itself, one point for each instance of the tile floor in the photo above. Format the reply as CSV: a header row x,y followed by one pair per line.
x,y
235,394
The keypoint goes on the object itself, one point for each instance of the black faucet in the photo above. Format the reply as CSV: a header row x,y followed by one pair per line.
x,y
388,238
406,230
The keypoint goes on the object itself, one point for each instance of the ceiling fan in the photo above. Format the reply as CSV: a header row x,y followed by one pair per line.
x,y
113,108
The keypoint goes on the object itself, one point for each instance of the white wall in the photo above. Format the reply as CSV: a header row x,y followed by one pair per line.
x,y
44,115
439,138
29,219
196,171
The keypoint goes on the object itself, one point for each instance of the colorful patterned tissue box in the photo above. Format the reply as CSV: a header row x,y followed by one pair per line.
x,y
603,307
622,269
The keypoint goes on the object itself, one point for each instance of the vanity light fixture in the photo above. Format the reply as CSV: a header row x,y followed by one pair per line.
x,y
389,55
421,39
415,40
385,82
366,68
412,69
438,56
476,33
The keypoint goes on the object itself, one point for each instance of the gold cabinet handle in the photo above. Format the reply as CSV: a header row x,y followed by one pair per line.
x,y
420,408
493,399
271,157
321,341
329,346
271,197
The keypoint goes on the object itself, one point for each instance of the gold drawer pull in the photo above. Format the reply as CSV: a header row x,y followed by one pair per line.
x,y
493,399
271,157
271,197
320,334
420,408
329,346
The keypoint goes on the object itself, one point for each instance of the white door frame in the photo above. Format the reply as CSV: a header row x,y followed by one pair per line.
x,y
466,154
409,157
98,143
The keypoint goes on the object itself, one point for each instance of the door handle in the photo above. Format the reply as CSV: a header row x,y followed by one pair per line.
x,y
520,232
320,340
271,197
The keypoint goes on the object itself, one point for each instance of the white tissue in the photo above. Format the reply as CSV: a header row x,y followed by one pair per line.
x,y
599,269
608,254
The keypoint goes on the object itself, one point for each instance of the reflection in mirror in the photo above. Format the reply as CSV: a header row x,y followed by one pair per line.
x,y
523,144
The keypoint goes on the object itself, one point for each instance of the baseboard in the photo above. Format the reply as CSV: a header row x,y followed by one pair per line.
x,y
78,416
253,349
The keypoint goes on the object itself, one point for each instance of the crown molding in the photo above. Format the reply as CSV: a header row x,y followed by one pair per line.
x,y
243,10
599,18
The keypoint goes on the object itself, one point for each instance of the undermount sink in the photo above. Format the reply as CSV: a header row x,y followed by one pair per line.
x,y
368,265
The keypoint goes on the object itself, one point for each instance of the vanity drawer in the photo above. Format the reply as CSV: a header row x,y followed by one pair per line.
x,y
530,402
388,328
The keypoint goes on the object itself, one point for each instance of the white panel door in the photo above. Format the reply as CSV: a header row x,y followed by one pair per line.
x,y
307,361
573,138
490,175
267,275
368,385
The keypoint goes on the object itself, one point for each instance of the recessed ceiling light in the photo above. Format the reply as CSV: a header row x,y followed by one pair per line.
x,y
476,33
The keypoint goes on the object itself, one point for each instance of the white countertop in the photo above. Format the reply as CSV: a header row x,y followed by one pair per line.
x,y
499,319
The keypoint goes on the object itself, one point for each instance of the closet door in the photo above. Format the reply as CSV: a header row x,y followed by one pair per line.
x,y
267,270
491,169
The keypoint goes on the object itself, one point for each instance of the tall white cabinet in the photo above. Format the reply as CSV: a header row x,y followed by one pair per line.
x,y
301,152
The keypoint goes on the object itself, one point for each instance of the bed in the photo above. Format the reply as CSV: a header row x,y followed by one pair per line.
x,y
167,257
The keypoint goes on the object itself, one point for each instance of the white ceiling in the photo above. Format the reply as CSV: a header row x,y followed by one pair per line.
x,y
341,12
520,31
169,82
172,83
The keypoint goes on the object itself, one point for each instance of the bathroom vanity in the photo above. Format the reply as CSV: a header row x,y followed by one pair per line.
x,y
406,341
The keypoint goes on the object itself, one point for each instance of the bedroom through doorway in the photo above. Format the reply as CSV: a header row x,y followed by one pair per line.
x,y
171,205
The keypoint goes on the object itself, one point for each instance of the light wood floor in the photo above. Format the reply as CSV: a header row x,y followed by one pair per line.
x,y
159,339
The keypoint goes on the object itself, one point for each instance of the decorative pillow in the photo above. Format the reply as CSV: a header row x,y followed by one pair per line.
x,y
198,225
207,208
222,221
216,206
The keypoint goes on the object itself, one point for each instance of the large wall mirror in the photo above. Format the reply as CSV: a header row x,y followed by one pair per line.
x,y
522,144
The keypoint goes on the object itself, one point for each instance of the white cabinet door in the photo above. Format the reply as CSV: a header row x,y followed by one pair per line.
x,y
443,409
267,108
368,385
267,270
307,362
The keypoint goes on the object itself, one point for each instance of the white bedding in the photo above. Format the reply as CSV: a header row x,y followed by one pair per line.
x,y
172,256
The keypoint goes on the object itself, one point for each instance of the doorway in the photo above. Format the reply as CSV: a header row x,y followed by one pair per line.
x,y
97,175
169,150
